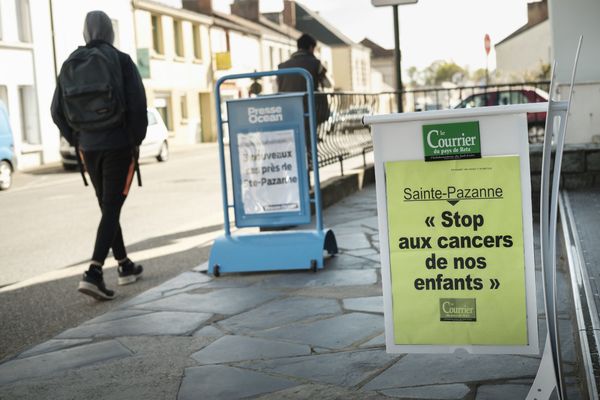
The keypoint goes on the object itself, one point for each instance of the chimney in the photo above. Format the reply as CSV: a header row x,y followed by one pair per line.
x,y
201,6
537,12
248,9
289,13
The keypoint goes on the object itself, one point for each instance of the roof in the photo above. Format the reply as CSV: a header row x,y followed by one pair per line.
x,y
310,22
519,31
264,26
376,50
537,12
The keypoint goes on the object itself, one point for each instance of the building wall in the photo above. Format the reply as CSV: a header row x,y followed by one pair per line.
x,y
342,68
569,20
361,69
27,81
524,53
386,67
177,83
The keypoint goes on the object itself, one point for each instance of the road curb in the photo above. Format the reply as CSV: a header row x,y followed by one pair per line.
x,y
337,188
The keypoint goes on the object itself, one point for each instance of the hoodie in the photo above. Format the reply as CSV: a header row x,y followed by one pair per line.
x,y
98,32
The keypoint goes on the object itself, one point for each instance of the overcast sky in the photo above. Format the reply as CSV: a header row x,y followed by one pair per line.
x,y
429,30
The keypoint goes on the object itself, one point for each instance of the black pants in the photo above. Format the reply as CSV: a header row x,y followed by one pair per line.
x,y
111,173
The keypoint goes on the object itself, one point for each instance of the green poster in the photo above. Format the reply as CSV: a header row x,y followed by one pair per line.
x,y
456,252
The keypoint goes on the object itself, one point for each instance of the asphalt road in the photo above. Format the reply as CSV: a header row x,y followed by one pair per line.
x,y
48,223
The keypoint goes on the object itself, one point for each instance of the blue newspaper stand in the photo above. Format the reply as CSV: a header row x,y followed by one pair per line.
x,y
270,182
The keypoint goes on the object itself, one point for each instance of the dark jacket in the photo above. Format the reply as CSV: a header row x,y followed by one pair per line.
x,y
296,83
132,133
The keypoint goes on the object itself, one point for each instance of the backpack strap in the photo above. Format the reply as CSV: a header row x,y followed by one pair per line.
x,y
78,156
136,156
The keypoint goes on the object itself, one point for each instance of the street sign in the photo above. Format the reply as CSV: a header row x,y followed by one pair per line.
x,y
487,43
384,3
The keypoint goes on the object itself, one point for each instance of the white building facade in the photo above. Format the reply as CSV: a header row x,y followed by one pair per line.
x,y
176,66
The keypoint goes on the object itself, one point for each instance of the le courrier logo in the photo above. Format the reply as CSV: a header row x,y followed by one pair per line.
x,y
451,141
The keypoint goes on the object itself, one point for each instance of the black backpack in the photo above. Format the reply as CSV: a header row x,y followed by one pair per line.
x,y
92,89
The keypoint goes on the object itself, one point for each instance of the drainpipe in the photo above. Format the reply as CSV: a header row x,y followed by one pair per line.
x,y
53,39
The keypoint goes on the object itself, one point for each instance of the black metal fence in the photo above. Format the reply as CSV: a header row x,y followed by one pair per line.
x,y
341,134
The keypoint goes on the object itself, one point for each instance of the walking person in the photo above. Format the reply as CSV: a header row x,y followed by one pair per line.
x,y
305,58
99,106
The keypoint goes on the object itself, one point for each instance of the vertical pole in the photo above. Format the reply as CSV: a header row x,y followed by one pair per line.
x,y
397,58
222,159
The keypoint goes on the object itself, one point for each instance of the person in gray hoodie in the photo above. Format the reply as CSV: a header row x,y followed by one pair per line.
x,y
109,157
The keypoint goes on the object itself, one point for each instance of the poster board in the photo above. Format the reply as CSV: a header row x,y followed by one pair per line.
x,y
456,231
268,159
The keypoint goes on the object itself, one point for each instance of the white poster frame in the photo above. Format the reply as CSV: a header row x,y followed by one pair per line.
x,y
503,131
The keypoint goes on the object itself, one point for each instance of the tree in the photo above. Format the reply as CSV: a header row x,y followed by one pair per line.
x,y
444,71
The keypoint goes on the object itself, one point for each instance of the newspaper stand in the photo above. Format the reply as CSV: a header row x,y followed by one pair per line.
x,y
270,182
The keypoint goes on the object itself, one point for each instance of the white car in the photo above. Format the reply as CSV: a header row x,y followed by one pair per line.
x,y
154,145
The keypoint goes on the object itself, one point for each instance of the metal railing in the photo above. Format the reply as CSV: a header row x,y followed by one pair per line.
x,y
341,134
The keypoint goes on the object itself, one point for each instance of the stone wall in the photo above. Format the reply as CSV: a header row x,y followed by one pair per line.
x,y
580,166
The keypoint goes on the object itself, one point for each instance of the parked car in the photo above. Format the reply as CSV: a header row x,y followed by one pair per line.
x,y
520,95
154,145
7,150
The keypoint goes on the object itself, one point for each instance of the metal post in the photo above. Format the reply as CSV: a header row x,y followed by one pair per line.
x,y
397,61
222,159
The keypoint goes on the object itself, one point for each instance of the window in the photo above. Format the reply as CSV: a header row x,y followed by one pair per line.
x,y
184,107
197,42
178,37
29,118
157,35
162,103
23,20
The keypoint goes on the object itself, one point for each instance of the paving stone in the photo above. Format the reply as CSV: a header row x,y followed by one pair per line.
x,y
378,340
53,345
350,277
240,348
437,392
367,304
352,241
221,382
346,261
154,324
342,368
431,369
281,312
321,392
332,333
185,280
55,362
115,315
208,331
494,392
361,252
224,301
145,297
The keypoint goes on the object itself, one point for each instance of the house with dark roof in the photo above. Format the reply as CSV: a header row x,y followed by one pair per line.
x,y
351,62
523,52
382,61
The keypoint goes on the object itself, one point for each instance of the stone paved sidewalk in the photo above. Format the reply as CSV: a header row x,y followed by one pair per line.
x,y
293,335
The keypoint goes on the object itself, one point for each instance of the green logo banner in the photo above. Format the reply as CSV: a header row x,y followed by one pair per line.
x,y
457,259
452,141
458,310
